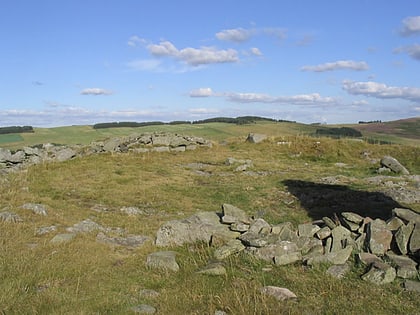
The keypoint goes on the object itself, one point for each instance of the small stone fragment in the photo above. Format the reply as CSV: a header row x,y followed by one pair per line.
x,y
62,238
213,269
278,293
338,271
143,309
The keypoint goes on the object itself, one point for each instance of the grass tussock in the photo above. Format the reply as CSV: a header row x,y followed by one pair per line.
x,y
87,277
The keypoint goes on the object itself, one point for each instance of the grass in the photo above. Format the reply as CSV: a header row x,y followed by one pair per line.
x,y
87,277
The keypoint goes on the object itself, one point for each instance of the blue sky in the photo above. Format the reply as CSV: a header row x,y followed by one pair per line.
x,y
90,61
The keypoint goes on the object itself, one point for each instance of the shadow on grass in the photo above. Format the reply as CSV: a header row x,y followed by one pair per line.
x,y
321,200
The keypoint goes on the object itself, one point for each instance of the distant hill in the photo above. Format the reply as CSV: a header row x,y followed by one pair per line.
x,y
406,128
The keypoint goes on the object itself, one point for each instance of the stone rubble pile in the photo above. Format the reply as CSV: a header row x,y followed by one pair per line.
x,y
388,249
138,143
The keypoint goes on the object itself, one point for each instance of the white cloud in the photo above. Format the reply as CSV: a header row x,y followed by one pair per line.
x,y
381,90
236,35
411,26
300,99
338,65
201,92
95,91
133,41
194,56
240,35
255,51
413,51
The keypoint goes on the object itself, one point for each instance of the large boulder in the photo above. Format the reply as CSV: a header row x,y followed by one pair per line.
x,y
256,138
394,165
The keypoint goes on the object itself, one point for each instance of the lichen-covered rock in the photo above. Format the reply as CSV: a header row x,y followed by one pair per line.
x,y
213,269
232,247
379,237
36,208
256,137
237,215
380,273
402,236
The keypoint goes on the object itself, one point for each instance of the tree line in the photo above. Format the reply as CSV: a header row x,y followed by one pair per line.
x,y
238,120
16,129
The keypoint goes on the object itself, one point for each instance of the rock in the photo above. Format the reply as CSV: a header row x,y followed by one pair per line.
x,y
285,232
132,211
46,230
232,247
257,225
340,236
35,208
256,138
380,273
411,285
85,226
272,250
307,229
407,215
414,243
338,271
62,238
288,258
337,257
394,224
323,233
278,293
406,268
379,237
237,214
329,222
148,293
239,227
394,165
10,217
65,154
164,260
368,258
213,269
199,227
352,220
129,241
143,309
402,236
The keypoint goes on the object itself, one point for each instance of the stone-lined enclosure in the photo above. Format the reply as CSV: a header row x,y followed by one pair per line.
x,y
140,143
387,248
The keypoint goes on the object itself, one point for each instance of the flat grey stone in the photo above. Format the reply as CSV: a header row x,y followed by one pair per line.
x,y
213,269
278,293
143,309
307,229
287,259
407,215
162,260
380,273
62,238
10,217
411,285
232,247
379,237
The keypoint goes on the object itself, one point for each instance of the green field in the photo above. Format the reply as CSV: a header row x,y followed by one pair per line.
x,y
212,131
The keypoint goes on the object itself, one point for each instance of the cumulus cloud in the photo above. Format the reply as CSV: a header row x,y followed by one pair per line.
x,y
338,65
236,35
95,91
413,51
201,92
300,99
381,90
194,56
410,26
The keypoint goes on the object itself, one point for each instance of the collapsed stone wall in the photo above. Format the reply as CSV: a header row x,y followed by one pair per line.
x,y
388,249
139,143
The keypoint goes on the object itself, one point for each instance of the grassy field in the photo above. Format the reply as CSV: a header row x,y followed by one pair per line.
x,y
87,277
